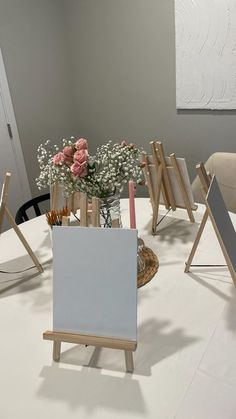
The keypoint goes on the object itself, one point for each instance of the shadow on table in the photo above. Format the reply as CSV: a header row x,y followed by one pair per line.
x,y
172,229
214,274
154,345
90,390
176,229
230,314
95,388
213,277
20,275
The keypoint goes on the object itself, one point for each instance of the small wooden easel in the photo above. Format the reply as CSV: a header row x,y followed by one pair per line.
x,y
72,202
5,211
162,183
205,180
98,341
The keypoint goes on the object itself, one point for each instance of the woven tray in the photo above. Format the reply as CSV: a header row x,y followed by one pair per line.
x,y
151,263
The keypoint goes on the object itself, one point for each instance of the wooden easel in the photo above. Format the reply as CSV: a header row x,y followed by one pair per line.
x,y
72,203
205,180
163,183
98,341
5,211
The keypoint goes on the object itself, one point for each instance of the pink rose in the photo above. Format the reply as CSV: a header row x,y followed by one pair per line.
x,y
81,156
68,151
58,159
81,144
124,143
78,169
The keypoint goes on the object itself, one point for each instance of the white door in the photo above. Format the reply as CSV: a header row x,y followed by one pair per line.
x,y
11,156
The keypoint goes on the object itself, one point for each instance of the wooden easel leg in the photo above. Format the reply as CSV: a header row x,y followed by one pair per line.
x,y
56,350
54,199
2,211
129,361
157,200
83,210
205,179
95,212
182,188
158,164
196,241
3,198
23,240
76,201
98,341
148,178
69,203
115,223
166,180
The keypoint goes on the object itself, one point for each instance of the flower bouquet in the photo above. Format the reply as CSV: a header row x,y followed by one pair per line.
x,y
102,175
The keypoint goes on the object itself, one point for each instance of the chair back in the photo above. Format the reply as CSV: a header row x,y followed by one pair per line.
x,y
22,216
223,166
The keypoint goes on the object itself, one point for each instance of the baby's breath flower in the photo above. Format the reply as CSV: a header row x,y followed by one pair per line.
x,y
112,166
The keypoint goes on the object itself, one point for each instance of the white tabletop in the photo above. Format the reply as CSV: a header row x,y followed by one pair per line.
x,y
185,364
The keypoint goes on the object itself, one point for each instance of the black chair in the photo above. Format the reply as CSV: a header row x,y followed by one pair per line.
x,y
21,215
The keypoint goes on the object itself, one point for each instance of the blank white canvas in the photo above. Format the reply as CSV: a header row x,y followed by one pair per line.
x,y
205,54
95,281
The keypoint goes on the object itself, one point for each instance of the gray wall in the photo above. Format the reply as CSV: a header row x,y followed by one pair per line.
x,y
124,62
34,46
103,69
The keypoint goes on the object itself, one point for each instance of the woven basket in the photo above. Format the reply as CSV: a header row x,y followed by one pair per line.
x,y
151,266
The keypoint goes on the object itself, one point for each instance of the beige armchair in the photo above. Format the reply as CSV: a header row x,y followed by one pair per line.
x,y
223,165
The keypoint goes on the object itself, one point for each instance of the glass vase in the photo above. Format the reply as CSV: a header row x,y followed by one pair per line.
x,y
110,210
140,257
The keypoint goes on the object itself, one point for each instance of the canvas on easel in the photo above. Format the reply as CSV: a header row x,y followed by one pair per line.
x,y
4,211
168,182
221,221
94,285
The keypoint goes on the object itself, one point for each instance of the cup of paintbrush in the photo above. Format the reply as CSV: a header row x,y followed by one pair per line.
x,y
54,217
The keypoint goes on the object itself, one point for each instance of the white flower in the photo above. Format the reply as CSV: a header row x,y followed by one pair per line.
x,y
114,166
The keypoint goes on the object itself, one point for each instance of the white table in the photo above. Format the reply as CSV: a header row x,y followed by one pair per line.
x,y
185,364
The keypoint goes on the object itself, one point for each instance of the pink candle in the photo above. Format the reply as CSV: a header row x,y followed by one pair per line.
x,y
132,205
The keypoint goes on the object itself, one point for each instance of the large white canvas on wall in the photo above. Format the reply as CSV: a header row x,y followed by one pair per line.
x,y
95,281
205,54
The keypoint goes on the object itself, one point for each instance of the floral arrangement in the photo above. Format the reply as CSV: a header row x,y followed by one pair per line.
x,y
101,175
